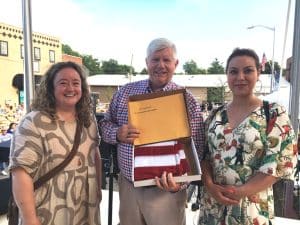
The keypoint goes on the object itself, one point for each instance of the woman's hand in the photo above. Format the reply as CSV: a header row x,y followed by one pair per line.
x,y
252,187
222,194
238,195
127,133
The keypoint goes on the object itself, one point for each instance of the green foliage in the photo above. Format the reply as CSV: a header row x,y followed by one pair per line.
x,y
268,67
112,67
144,71
216,67
215,94
68,50
191,67
92,64
88,61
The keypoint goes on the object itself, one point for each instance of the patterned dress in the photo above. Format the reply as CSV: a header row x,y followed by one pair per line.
x,y
70,197
237,154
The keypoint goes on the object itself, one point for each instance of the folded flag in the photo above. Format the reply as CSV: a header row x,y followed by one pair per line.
x,y
152,160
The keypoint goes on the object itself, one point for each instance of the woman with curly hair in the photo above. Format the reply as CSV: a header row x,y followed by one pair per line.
x,y
44,138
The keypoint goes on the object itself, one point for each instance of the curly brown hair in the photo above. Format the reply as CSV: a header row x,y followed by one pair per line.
x,y
45,100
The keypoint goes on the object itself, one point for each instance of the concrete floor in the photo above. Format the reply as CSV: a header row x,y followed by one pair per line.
x,y
191,216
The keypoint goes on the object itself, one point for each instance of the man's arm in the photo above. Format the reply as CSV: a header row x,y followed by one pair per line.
x,y
196,123
109,124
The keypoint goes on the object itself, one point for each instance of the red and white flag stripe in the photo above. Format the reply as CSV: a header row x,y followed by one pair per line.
x,y
152,160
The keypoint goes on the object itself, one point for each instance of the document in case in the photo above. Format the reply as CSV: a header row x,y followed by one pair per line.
x,y
159,116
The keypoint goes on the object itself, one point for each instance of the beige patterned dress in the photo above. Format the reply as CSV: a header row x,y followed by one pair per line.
x,y
70,198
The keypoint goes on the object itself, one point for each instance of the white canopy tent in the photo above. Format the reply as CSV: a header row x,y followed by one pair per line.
x,y
281,95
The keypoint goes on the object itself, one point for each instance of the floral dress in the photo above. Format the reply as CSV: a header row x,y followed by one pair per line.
x,y
237,154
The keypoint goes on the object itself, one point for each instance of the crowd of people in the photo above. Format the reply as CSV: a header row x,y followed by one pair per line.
x,y
10,113
9,117
244,147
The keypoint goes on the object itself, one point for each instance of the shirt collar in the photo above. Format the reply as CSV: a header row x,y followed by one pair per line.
x,y
169,86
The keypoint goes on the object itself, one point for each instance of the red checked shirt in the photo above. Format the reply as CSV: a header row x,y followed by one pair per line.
x,y
117,115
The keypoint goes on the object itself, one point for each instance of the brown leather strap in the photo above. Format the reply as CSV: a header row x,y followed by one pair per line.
x,y
64,163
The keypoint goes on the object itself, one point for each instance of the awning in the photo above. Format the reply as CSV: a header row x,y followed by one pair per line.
x,y
18,81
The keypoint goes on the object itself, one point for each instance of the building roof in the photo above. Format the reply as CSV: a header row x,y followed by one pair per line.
x,y
17,32
207,80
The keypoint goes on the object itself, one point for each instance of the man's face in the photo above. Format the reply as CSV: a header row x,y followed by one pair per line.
x,y
161,66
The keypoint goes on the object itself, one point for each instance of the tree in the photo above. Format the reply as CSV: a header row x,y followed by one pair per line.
x,y
144,71
268,67
216,67
93,65
68,50
112,67
216,94
88,61
191,67
125,69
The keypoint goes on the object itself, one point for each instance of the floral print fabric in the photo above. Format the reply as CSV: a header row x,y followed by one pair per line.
x,y
236,154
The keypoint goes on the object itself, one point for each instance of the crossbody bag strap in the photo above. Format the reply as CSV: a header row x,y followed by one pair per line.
x,y
267,111
207,122
64,163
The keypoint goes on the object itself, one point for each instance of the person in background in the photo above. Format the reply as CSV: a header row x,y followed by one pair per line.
x,y
11,128
245,155
164,203
44,138
5,138
287,72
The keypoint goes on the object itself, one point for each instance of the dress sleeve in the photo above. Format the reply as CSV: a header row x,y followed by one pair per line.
x,y
26,148
281,155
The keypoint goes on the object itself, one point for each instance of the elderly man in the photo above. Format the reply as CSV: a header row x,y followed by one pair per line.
x,y
164,203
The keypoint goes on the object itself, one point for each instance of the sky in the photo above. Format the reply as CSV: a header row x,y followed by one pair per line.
x,y
202,30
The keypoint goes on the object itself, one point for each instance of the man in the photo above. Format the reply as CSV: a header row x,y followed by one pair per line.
x,y
165,203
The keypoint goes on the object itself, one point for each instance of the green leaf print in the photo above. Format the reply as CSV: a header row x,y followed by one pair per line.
x,y
269,159
257,126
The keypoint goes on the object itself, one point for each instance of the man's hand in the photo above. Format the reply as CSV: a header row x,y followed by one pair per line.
x,y
167,182
127,133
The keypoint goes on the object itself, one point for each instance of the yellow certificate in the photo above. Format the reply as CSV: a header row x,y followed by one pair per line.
x,y
159,116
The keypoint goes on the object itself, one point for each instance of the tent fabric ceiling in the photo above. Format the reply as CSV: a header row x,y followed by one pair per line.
x,y
18,81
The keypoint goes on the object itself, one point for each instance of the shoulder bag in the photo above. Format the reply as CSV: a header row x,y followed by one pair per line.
x,y
13,211
283,188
